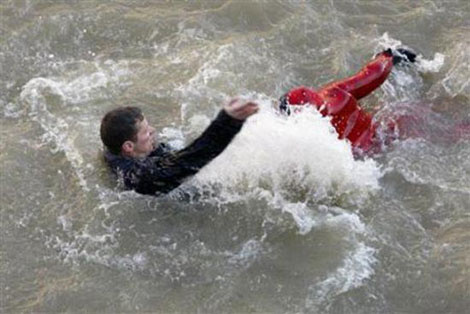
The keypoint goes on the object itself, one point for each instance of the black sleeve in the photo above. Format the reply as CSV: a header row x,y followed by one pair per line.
x,y
166,172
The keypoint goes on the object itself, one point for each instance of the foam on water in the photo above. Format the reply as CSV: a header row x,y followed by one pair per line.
x,y
290,162
294,167
406,83
288,154
430,66
450,162
424,65
56,128
356,268
294,163
247,253
40,96
457,80
96,248
385,42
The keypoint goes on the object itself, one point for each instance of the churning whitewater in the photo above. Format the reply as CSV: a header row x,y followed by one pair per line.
x,y
285,220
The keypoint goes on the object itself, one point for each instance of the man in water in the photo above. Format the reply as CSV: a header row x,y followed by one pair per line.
x,y
339,100
148,168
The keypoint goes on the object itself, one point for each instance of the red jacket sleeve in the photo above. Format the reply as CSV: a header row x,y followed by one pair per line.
x,y
368,78
301,95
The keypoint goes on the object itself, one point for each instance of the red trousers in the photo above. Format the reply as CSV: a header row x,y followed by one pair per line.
x,y
340,101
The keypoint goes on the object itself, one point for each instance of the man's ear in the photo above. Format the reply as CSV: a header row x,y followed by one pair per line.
x,y
127,148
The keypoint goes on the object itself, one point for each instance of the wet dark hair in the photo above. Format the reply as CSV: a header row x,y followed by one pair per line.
x,y
120,125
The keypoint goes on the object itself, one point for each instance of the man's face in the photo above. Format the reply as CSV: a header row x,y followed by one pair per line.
x,y
145,142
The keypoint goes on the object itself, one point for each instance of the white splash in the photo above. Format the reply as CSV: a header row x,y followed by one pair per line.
x,y
36,98
457,80
385,42
303,217
289,162
434,65
356,268
423,65
301,151
56,128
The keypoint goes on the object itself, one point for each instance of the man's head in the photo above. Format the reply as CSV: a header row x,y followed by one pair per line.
x,y
126,131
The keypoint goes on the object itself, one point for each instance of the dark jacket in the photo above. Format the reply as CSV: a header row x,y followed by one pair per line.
x,y
165,169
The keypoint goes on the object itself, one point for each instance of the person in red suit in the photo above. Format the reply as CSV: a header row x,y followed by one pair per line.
x,y
339,100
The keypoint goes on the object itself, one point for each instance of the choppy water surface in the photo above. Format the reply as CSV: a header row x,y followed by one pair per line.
x,y
285,220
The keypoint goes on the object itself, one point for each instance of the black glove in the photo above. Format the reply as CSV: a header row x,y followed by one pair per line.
x,y
403,55
284,105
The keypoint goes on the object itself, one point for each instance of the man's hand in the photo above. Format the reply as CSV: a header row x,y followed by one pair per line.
x,y
240,109
401,55
406,55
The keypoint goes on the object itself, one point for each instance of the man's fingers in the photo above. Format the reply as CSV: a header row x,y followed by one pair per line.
x,y
237,104
241,109
242,106
247,110
233,101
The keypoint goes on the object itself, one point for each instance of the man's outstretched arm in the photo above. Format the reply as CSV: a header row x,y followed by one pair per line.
x,y
170,170
370,77
373,74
